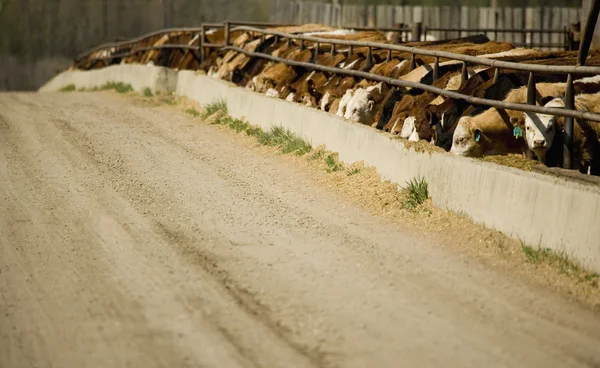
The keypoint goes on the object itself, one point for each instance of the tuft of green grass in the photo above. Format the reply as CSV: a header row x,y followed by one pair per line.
x,y
170,100
287,141
332,164
148,92
559,259
193,112
119,87
212,108
68,88
416,193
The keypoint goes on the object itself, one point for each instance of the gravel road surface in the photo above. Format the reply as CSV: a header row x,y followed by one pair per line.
x,y
135,236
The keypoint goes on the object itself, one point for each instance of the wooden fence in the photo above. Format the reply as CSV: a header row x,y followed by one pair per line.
x,y
546,18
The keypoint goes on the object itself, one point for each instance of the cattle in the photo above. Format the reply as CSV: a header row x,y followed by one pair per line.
x,y
545,134
444,116
499,131
409,102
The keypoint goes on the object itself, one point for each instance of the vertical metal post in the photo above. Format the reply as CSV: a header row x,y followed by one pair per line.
x,y
436,69
316,54
496,17
464,76
226,24
531,91
413,62
369,58
301,45
332,49
568,136
417,29
202,33
389,55
496,75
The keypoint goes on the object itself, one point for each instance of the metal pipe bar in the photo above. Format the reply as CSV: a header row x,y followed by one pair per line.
x,y
499,30
438,91
143,37
147,48
559,69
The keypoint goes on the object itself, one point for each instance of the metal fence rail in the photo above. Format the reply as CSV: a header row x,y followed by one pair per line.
x,y
563,69
569,112
566,44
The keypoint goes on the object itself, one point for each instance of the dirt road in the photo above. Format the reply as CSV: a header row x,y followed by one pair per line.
x,y
131,236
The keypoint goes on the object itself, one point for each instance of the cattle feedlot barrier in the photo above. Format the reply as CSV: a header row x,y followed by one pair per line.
x,y
204,26
438,91
568,112
559,69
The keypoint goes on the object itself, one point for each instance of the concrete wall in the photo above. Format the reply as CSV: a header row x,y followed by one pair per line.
x,y
536,208
159,80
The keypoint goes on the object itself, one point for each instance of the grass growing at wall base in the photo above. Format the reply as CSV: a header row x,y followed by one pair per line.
x,y
286,141
114,86
541,255
68,88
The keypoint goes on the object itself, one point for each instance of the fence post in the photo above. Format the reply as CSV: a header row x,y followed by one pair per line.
x,y
202,33
531,100
317,49
226,23
531,91
568,136
436,69
417,29
369,63
464,76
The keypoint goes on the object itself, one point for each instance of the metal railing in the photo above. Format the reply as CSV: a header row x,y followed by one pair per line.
x,y
203,27
568,112
565,45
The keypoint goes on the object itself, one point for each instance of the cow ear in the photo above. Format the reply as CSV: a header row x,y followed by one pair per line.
x,y
477,135
514,121
370,105
546,99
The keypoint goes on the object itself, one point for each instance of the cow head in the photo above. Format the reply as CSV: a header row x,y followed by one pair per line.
x,y
541,128
467,139
361,107
443,119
